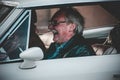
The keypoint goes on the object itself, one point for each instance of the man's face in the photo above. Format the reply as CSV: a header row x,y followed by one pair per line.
x,y
61,30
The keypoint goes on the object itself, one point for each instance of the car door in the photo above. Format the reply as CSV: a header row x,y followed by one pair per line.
x,y
105,67
80,68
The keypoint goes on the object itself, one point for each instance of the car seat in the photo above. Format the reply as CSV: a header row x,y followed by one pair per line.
x,y
105,48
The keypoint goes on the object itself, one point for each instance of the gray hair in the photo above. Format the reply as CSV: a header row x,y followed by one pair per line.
x,y
72,16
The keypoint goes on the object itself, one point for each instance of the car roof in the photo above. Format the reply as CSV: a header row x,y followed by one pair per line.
x,y
42,3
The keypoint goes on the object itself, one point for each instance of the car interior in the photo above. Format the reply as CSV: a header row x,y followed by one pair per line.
x,y
100,16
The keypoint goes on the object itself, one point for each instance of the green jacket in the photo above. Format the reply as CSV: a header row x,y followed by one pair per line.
x,y
75,47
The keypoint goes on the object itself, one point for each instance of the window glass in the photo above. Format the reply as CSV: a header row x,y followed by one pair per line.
x,y
16,43
95,16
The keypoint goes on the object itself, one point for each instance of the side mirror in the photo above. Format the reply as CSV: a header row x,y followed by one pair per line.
x,y
30,56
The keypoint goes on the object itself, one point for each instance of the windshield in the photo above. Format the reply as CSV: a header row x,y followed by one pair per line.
x,y
4,11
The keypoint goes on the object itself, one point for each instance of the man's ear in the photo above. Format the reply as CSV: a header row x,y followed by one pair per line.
x,y
72,27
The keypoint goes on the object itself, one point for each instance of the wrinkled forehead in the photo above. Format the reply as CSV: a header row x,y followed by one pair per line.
x,y
58,15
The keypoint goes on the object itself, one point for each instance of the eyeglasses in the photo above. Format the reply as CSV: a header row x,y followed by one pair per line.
x,y
55,23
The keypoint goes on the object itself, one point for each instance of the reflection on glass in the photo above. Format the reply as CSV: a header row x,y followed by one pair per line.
x,y
15,44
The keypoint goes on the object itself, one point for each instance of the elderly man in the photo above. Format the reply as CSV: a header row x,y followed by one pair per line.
x,y
67,27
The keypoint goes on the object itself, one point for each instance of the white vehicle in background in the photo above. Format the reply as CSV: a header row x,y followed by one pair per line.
x,y
19,62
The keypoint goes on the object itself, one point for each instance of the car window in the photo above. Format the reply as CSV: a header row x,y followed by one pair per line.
x,y
95,16
99,19
17,41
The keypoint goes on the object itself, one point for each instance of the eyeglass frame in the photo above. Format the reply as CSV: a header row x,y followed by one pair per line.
x,y
55,23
